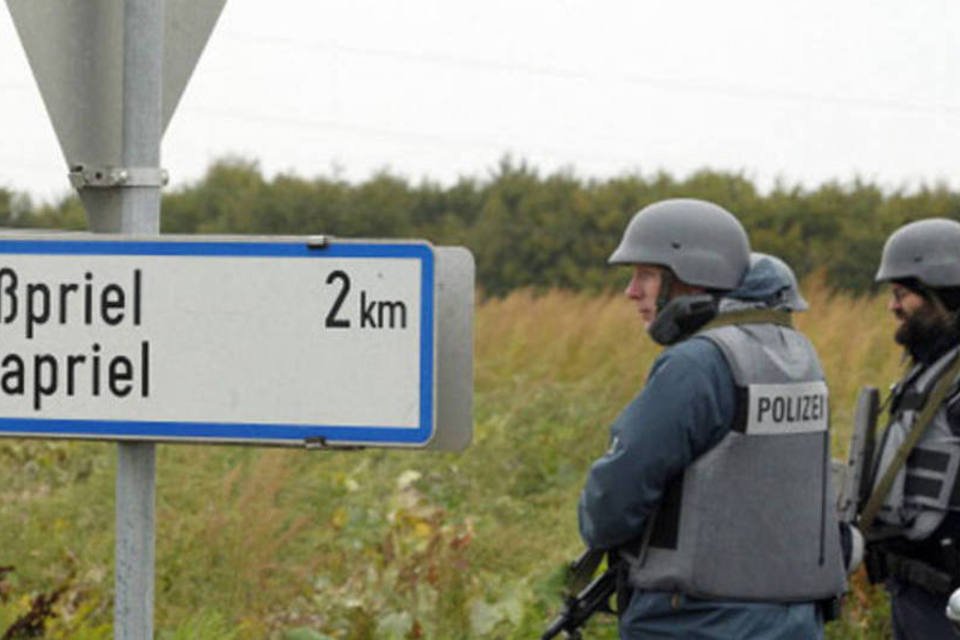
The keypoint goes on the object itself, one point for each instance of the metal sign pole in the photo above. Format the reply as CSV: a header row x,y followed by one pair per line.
x,y
139,214
109,122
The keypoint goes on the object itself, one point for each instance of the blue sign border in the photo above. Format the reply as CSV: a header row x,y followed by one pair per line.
x,y
249,433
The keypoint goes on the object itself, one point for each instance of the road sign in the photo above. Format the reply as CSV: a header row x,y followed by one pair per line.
x,y
88,80
454,310
286,342
76,52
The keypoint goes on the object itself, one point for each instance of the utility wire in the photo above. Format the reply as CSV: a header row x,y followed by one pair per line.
x,y
657,82
494,143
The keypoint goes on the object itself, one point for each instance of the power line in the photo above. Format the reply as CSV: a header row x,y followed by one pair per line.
x,y
431,58
457,142
657,82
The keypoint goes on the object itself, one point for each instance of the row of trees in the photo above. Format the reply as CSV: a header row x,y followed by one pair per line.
x,y
528,229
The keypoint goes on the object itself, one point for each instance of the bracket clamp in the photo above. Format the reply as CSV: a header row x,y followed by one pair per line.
x,y
110,177
318,242
321,443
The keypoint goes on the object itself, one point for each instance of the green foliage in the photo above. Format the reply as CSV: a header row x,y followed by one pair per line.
x,y
273,544
866,613
287,545
529,230
68,610
202,624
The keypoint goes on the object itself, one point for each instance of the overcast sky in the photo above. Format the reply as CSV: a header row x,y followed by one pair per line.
x,y
808,91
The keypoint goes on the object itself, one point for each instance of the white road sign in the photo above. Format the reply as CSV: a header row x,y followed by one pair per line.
x,y
226,340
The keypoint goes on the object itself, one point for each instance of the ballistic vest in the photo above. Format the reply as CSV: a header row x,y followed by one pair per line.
x,y
925,489
752,518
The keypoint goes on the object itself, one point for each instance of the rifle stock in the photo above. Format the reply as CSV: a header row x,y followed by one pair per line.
x,y
855,475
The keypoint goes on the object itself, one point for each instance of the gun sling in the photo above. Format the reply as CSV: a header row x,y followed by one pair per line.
x,y
936,397
751,316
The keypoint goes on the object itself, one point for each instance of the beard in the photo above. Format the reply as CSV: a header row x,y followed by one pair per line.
x,y
923,328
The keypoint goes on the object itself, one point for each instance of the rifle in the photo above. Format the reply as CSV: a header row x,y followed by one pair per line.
x,y
590,599
854,477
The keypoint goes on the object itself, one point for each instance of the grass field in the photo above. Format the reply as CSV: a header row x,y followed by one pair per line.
x,y
267,543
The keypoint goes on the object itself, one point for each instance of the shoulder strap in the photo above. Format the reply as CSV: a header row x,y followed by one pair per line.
x,y
945,382
751,316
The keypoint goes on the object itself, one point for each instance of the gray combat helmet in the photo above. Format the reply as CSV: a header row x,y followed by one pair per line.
x,y
702,243
928,250
780,276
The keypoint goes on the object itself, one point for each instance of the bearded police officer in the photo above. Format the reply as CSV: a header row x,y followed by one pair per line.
x,y
714,489
911,519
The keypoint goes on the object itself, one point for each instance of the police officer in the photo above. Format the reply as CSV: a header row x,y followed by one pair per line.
x,y
912,518
768,273
714,488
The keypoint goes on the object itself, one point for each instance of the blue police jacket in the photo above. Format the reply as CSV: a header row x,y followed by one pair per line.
x,y
686,407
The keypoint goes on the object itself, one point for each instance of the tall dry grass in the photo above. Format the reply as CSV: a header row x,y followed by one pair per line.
x,y
854,338
260,543
594,346
597,342
562,337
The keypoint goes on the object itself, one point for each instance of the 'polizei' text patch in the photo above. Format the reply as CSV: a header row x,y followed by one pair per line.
x,y
787,408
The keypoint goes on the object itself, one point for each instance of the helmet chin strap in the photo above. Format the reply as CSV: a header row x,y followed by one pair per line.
x,y
666,288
